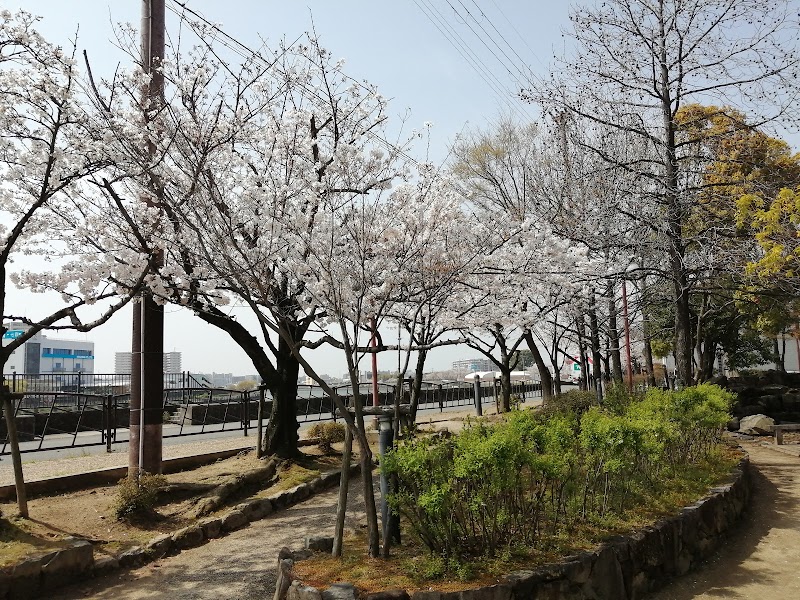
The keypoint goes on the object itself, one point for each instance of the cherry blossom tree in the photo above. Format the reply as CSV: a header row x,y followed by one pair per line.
x,y
62,237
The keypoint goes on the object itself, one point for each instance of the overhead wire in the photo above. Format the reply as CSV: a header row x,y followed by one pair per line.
x,y
519,35
528,73
451,34
245,52
481,38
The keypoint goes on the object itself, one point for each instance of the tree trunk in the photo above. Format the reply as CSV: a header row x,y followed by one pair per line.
x,y
344,484
584,381
557,380
281,379
777,356
416,387
594,330
648,352
505,389
613,338
281,436
675,220
364,451
707,357
544,373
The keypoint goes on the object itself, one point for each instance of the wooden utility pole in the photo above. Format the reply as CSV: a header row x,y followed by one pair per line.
x,y
147,364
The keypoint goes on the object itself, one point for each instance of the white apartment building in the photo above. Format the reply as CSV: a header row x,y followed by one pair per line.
x,y
122,362
43,355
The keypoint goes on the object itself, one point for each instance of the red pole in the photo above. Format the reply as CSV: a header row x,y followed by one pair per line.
x,y
627,334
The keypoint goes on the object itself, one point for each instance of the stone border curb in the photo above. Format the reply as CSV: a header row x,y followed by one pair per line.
x,y
624,567
37,575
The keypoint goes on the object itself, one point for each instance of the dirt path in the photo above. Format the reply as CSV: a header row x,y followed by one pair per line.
x,y
239,566
762,558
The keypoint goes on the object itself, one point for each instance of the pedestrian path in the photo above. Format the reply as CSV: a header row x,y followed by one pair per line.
x,y
239,566
762,557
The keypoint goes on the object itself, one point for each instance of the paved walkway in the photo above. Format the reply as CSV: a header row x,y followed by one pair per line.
x,y
240,566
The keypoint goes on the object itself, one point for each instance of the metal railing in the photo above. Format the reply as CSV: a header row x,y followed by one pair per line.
x,y
55,420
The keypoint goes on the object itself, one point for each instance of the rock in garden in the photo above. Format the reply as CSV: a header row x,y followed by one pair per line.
x,y
319,543
340,591
756,425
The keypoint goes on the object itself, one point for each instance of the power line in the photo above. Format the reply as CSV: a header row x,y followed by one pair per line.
x,y
529,74
245,52
519,35
472,58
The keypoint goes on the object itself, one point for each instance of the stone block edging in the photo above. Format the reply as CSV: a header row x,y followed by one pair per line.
x,y
625,567
35,576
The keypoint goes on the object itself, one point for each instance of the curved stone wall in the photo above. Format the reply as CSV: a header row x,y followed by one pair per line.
x,y
626,567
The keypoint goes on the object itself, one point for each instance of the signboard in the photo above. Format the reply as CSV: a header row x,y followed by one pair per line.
x,y
13,334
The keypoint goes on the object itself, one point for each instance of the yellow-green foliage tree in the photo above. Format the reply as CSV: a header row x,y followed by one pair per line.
x,y
738,172
775,223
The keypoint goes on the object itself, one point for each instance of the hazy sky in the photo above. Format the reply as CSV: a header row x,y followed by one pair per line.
x,y
392,43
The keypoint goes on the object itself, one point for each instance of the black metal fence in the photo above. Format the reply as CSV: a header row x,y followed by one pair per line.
x,y
54,420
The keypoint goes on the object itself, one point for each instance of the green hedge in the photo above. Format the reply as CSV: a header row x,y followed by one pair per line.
x,y
515,482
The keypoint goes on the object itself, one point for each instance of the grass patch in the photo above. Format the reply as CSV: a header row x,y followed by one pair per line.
x,y
17,543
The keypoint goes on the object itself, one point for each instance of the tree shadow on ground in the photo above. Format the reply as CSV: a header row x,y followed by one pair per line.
x,y
741,562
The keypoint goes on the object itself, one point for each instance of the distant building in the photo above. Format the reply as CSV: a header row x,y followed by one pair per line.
x,y
43,355
122,362
172,362
474,364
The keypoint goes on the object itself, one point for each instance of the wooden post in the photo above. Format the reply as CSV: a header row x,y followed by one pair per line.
x,y
344,482
16,457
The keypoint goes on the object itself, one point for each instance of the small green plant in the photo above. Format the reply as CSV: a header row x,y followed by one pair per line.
x,y
327,434
137,496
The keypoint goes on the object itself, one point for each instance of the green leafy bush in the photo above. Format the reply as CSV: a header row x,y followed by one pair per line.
x,y
327,434
137,497
574,402
516,482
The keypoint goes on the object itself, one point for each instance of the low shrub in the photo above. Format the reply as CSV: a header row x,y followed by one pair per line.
x,y
135,497
573,402
327,434
534,477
